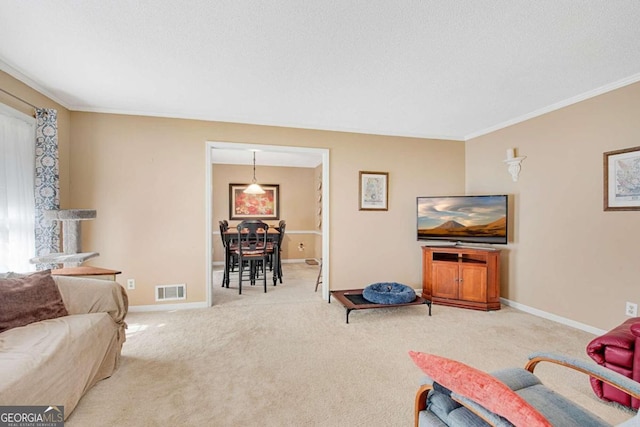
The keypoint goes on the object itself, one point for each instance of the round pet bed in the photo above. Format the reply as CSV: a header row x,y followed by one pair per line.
x,y
389,293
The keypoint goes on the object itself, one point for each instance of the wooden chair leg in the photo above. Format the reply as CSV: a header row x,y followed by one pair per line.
x,y
264,278
319,279
254,271
226,269
240,268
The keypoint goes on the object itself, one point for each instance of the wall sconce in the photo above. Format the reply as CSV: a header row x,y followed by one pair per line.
x,y
513,163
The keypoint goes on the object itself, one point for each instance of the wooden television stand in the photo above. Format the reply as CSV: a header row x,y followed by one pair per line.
x,y
461,277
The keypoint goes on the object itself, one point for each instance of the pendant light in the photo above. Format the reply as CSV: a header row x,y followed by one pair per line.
x,y
254,188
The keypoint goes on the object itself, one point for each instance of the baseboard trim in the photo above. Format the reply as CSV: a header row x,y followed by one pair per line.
x,y
505,301
553,317
167,307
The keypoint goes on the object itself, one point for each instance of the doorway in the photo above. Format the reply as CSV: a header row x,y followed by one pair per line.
x,y
213,147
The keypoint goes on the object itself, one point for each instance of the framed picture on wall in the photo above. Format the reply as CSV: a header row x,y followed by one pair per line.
x,y
254,206
622,180
374,191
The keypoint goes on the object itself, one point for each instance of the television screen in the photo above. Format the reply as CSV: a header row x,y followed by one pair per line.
x,y
472,219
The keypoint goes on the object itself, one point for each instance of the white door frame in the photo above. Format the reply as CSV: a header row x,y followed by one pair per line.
x,y
209,146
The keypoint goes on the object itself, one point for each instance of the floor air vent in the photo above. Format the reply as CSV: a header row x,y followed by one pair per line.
x,y
171,292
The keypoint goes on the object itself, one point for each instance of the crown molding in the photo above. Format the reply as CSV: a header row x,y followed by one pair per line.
x,y
271,123
558,105
19,75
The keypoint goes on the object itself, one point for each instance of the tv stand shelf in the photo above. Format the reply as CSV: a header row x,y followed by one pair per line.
x,y
461,277
458,257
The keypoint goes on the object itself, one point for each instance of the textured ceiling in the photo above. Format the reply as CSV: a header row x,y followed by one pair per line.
x,y
449,69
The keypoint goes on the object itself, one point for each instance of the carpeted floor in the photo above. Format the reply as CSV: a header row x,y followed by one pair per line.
x,y
287,358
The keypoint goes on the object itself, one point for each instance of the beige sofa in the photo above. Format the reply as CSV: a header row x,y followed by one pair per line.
x,y
56,361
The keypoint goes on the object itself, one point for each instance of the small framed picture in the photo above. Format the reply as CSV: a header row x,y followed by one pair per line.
x,y
374,191
622,180
254,206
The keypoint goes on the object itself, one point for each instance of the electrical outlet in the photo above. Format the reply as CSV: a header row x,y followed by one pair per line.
x,y
301,247
631,309
131,283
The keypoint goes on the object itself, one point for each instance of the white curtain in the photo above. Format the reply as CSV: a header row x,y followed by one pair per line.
x,y
17,201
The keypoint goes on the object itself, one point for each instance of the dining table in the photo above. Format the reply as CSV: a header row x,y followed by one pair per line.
x,y
273,236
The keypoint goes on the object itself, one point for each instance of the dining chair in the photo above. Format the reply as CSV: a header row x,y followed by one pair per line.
x,y
276,242
230,257
252,251
281,229
233,240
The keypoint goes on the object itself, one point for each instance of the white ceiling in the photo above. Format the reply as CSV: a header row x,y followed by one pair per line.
x,y
450,69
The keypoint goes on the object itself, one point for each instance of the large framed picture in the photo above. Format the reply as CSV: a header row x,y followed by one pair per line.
x,y
254,206
622,180
374,191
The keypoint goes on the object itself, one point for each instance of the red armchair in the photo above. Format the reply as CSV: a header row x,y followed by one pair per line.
x,y
616,350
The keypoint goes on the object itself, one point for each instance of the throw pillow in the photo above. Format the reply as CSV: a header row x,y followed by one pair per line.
x,y
480,387
29,299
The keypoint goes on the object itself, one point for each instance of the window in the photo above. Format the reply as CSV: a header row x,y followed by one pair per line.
x,y
17,203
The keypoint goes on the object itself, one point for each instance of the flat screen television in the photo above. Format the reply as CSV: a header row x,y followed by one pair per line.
x,y
464,219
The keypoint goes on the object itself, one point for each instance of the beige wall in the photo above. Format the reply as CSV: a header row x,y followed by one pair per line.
x,y
568,257
146,178
26,93
297,204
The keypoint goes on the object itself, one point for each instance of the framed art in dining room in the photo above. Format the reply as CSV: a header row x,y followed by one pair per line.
x,y
254,206
373,191
622,180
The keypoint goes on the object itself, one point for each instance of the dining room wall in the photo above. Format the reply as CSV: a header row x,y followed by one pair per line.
x,y
297,205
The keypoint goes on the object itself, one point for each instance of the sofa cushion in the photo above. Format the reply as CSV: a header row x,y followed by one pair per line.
x,y
56,360
29,299
480,387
